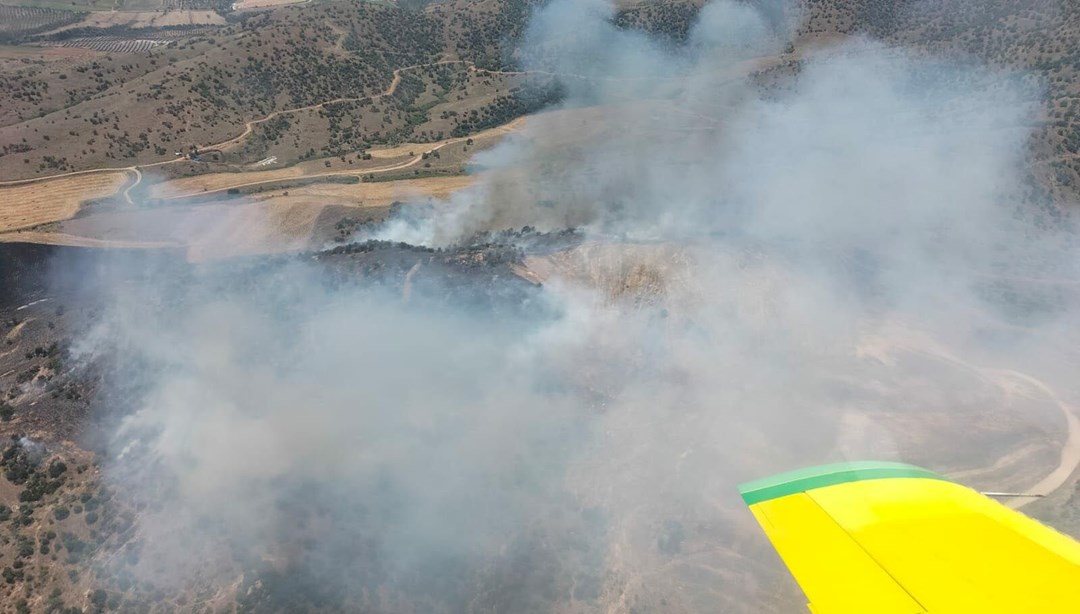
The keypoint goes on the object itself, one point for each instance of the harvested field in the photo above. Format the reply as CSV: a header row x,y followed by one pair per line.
x,y
148,19
208,231
193,186
279,221
60,238
367,195
30,204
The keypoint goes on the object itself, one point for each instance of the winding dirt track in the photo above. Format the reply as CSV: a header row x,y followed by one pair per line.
x,y
1070,451
390,90
506,128
1069,457
249,126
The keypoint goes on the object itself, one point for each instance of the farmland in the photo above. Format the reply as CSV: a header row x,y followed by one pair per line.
x,y
108,44
29,205
147,19
19,21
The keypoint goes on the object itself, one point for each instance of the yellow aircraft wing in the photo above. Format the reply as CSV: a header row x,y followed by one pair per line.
x,y
890,538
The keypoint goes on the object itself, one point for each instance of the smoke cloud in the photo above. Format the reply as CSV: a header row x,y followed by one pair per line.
x,y
791,256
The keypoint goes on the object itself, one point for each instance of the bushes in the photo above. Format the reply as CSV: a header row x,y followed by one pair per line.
x,y
57,468
38,486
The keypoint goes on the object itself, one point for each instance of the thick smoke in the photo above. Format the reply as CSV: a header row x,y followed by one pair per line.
x,y
792,255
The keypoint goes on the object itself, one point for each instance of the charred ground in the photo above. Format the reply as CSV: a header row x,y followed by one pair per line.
x,y
67,541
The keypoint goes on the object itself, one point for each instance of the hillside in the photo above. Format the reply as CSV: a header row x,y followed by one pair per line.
x,y
311,374
200,85
1036,37
120,109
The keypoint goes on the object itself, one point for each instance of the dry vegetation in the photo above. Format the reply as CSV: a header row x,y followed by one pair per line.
x,y
28,205
147,19
118,109
189,92
407,160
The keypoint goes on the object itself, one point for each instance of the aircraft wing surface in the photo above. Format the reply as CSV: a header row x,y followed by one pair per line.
x,y
890,538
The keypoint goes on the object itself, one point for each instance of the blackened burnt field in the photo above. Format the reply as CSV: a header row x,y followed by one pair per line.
x,y
50,296
529,423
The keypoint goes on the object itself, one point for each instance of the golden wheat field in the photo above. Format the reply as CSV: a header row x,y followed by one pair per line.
x,y
30,204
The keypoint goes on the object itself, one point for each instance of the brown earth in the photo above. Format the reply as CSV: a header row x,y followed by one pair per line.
x,y
146,19
27,205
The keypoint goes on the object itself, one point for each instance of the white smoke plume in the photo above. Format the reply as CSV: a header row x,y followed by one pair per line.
x,y
790,258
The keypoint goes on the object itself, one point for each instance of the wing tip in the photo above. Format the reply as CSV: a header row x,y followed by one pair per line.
x,y
809,478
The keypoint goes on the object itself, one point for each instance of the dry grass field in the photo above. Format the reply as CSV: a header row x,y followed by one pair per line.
x,y
207,231
27,205
270,222
199,184
110,6
379,194
42,237
146,19
278,219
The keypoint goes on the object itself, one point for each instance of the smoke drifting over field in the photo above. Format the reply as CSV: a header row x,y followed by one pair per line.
x,y
772,276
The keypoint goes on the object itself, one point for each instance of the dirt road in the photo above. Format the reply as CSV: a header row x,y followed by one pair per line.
x,y
1069,460
249,126
1068,457
510,127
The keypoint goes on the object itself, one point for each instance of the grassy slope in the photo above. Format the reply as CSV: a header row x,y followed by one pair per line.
x,y
123,109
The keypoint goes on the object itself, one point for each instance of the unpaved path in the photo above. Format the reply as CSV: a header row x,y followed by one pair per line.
x,y
1070,451
1069,456
507,128
127,191
249,126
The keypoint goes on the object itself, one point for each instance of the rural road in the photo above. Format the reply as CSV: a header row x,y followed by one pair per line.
x,y
1070,451
1069,457
248,126
389,91
506,128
